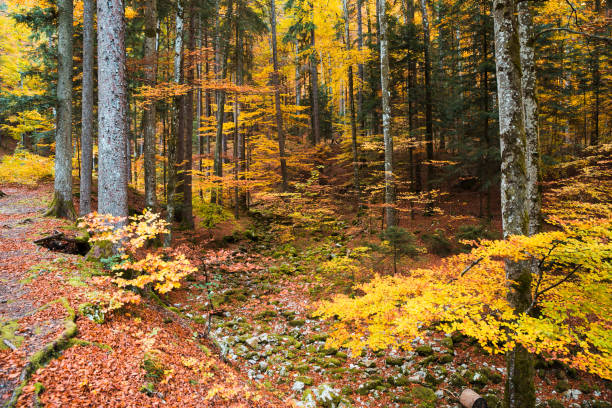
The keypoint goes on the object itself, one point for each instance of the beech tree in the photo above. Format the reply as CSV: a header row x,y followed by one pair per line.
x,y
150,119
87,119
520,391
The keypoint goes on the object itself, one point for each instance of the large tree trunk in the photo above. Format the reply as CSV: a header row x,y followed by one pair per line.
x,y
187,207
351,100
530,106
386,117
277,102
360,72
150,56
87,108
62,206
112,109
428,102
520,391
173,139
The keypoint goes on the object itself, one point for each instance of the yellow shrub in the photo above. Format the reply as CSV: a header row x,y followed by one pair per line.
x,y
25,168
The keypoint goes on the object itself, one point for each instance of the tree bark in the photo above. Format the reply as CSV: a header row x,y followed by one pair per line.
x,y
112,109
277,102
386,117
428,103
530,108
314,85
87,108
62,205
520,391
150,56
172,143
351,101
187,207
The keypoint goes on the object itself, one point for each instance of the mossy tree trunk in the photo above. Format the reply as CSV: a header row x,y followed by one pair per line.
x,y
62,206
520,392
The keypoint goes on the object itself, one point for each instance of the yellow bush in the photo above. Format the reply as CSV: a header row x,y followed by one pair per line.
x,y
25,168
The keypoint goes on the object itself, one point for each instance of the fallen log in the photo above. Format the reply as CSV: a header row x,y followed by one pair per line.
x,y
470,399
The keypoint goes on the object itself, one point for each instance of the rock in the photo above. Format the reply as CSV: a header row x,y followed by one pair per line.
x,y
367,363
456,380
445,358
562,386
297,323
394,361
424,394
447,342
263,366
304,379
366,387
424,350
252,342
572,394
419,376
439,394
298,386
553,403
323,396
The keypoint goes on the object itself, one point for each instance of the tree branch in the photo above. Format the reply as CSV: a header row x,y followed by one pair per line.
x,y
569,30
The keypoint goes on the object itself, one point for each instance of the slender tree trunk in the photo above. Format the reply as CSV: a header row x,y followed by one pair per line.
x,y
314,85
62,206
87,106
173,140
112,110
351,101
222,54
520,391
530,105
386,116
187,207
428,102
150,56
279,115
360,72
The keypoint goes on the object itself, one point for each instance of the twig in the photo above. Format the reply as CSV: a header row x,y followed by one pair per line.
x,y
470,266
569,30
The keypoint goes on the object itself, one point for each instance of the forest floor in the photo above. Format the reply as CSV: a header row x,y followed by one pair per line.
x,y
263,346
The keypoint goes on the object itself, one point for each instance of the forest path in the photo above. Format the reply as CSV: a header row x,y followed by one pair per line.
x,y
143,357
23,325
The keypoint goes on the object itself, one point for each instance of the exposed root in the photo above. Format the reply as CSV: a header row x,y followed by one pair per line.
x,y
61,208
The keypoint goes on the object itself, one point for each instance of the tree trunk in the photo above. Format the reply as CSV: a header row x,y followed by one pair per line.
x,y
277,102
150,56
351,101
520,391
187,207
87,108
112,109
62,206
314,85
360,72
172,142
530,106
428,103
386,117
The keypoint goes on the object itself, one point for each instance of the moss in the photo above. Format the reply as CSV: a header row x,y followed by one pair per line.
x,y
306,380
424,394
7,332
148,388
297,323
553,403
154,369
394,361
424,350
562,386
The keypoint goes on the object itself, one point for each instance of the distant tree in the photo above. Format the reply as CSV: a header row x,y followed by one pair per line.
x,y
87,106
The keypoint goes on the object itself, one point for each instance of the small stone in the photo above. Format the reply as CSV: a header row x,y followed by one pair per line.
x,y
573,394
298,386
439,394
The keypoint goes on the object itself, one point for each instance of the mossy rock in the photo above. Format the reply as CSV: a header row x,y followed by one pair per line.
x,y
302,368
553,403
601,404
297,323
428,360
493,401
306,380
424,394
318,337
368,386
7,332
266,315
148,388
445,358
334,362
424,350
400,381
403,399
562,386
586,388
346,390
447,342
432,380
394,361
92,311
457,380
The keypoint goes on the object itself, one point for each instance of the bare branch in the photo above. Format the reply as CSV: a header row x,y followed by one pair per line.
x,y
569,30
